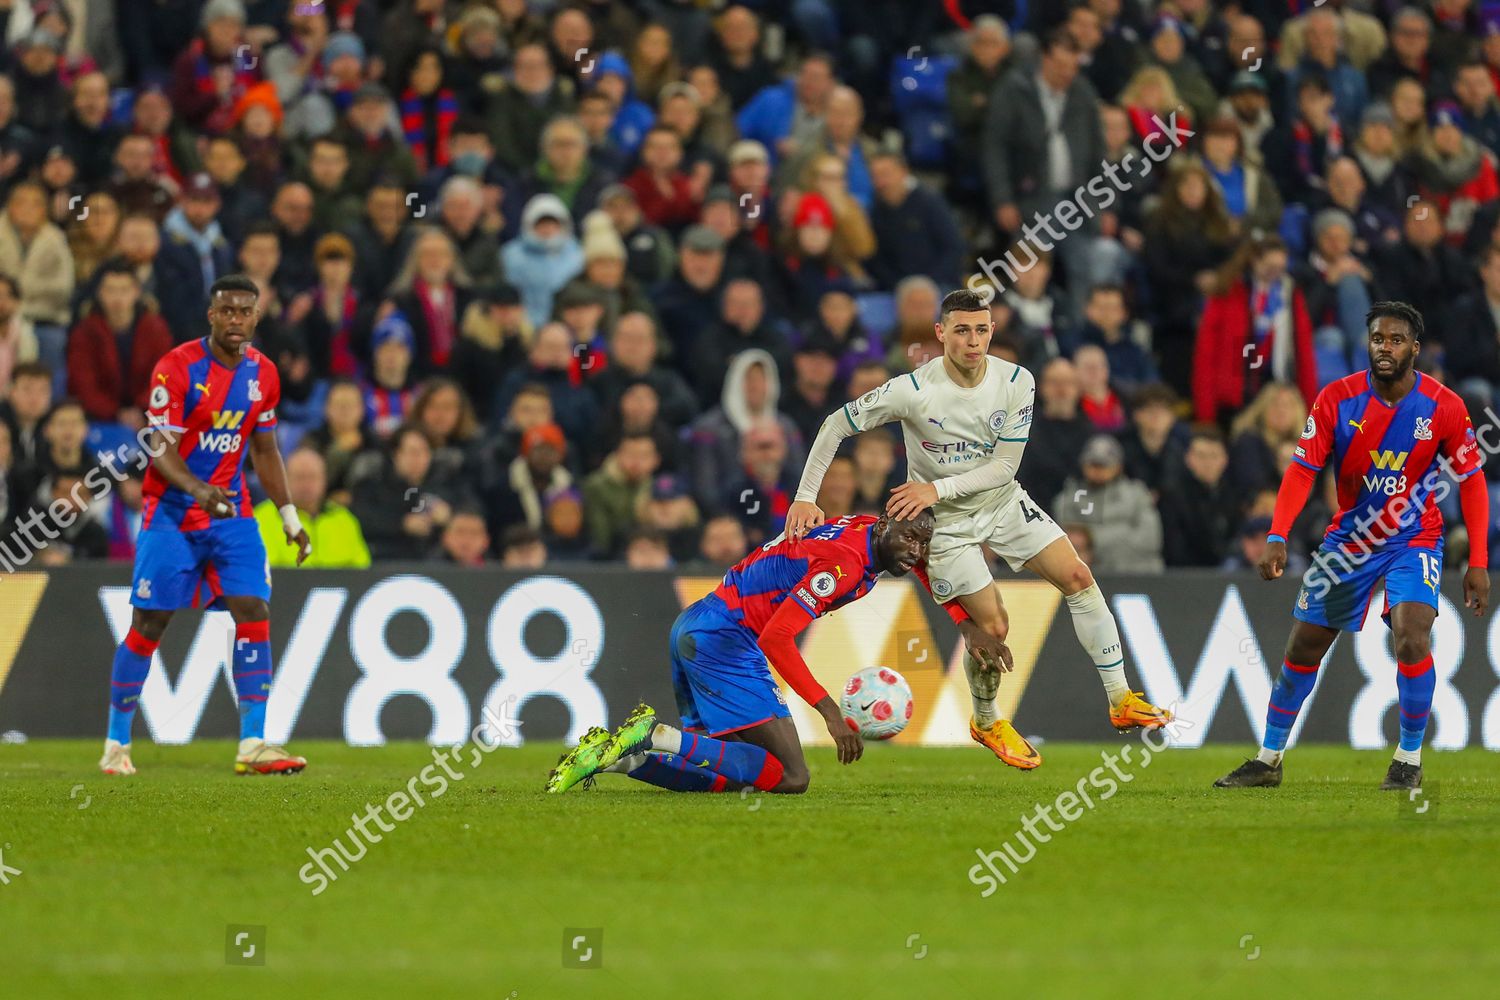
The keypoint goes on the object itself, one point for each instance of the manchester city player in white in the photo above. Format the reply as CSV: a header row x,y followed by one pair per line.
x,y
966,417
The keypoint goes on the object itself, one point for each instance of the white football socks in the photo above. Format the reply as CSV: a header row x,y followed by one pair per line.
x,y
1097,633
983,686
1409,756
1268,756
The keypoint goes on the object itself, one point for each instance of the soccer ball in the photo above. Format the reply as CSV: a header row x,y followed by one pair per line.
x,y
877,703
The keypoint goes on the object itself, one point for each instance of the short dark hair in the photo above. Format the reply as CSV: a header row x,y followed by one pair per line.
x,y
114,266
1109,288
31,369
518,536
1154,394
1207,432
924,516
1314,81
963,300
260,227
233,283
1060,35
1396,310
470,124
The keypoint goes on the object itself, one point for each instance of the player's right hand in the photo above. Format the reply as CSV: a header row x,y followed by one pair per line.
x,y
215,500
1273,561
845,737
802,517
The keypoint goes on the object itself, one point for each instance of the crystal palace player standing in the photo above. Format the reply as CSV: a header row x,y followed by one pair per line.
x,y
1397,438
738,732
199,545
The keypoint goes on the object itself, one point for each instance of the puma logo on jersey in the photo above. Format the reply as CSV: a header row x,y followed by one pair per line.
x,y
937,422
201,387
1357,426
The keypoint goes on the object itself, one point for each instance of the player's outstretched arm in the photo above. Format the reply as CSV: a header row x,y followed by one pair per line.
x,y
1295,486
169,463
778,641
804,514
271,472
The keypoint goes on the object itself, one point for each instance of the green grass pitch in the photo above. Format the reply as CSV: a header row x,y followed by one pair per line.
x,y
1324,887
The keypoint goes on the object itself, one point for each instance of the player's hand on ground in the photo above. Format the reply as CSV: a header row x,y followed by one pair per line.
x,y
845,737
802,517
910,499
990,651
303,543
215,500
1477,589
1273,560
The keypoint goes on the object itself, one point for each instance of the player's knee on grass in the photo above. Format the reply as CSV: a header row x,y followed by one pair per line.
x,y
793,782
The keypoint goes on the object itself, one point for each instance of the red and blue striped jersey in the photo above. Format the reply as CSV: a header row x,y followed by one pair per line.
x,y
833,565
212,410
1388,459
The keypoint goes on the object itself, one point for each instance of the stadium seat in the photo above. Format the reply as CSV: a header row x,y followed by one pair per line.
x,y
1293,229
106,438
919,96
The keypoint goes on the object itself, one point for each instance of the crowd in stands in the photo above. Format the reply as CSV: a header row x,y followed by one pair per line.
x,y
579,281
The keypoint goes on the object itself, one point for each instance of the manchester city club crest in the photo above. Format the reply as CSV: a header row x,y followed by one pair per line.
x,y
941,588
997,421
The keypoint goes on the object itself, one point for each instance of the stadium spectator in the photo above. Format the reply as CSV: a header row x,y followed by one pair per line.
x,y
1121,518
1250,196
743,256
723,543
24,408
988,58
913,230
1408,55
914,340
552,365
840,135
661,188
461,218
1274,418
381,242
1059,432
1375,226
668,509
646,548
444,413
1339,289
1187,236
840,483
1256,330
113,350
194,254
518,112
34,253
209,77
734,54
1168,50
580,308
18,344
1421,268
544,257
60,450
750,184
1200,504
634,357
876,472
682,112
1299,149
1249,545
1454,171
404,508
632,117
760,489
1107,325
388,389
1248,102
812,394
337,541
649,255
369,130
785,116
135,182
92,235
1322,57
1471,357
614,493
521,547
751,395
344,441
1155,440
332,320
465,540
61,517
1096,396
531,475
1474,89
432,290
563,526
564,170
1042,319
742,325
653,62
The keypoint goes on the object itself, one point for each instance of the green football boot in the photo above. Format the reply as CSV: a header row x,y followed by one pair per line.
x,y
580,763
633,736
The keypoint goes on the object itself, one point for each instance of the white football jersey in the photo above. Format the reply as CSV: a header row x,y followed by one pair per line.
x,y
949,429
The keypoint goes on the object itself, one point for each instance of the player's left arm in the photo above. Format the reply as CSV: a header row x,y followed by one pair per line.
x,y
271,471
1460,447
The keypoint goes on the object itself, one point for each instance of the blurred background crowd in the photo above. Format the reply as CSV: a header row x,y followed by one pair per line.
x,y
552,281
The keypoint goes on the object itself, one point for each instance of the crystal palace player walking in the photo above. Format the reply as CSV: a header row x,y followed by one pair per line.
x,y
738,731
1396,438
199,545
